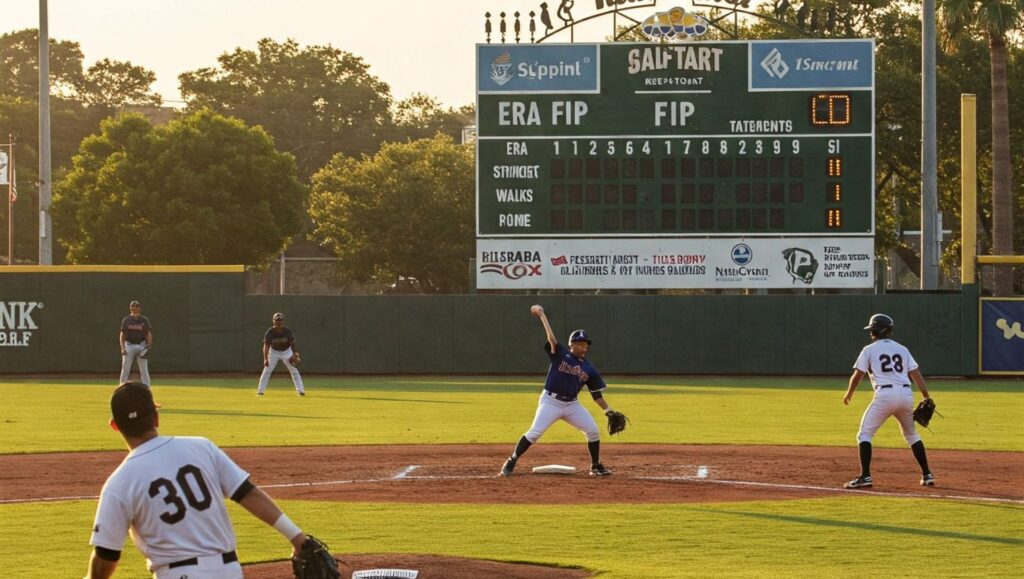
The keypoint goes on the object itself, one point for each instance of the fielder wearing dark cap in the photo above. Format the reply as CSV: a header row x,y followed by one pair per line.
x,y
136,340
170,493
279,346
891,368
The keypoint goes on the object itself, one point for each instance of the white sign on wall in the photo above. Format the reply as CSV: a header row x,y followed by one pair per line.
x,y
676,263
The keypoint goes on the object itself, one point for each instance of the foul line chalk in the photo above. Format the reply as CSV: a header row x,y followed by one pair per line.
x,y
702,474
835,489
47,499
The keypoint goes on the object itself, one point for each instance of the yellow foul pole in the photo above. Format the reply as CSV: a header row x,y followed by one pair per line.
x,y
968,187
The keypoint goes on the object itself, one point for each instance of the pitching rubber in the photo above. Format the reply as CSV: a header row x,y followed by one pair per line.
x,y
554,469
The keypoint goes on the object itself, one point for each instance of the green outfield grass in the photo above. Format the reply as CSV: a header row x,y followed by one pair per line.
x,y
62,415
843,536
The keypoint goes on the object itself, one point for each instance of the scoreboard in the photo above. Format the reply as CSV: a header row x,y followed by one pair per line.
x,y
732,140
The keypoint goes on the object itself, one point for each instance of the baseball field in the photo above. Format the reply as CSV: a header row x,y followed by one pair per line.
x,y
716,476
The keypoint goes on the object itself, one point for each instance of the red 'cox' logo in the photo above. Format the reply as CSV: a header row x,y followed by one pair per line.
x,y
512,270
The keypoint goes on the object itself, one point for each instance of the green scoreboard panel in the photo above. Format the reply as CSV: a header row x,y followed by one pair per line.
x,y
733,139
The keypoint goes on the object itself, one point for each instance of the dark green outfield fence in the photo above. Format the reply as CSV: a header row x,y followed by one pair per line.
x,y
204,322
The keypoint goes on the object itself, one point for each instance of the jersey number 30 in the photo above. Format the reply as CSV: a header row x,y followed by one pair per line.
x,y
187,476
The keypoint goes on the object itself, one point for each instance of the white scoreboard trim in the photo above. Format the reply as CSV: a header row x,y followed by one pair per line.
x,y
676,263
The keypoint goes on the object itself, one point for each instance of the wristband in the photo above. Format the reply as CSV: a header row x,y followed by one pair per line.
x,y
608,411
286,527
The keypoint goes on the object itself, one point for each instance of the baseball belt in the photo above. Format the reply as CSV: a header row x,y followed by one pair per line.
x,y
229,557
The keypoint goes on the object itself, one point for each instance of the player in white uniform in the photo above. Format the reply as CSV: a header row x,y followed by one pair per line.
x,y
889,364
169,494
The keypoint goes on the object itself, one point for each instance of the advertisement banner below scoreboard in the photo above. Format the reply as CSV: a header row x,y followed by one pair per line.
x,y
676,263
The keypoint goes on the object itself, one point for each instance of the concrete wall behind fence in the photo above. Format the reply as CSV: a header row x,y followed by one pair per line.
x,y
68,321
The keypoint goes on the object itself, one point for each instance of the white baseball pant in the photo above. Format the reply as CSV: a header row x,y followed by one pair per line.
x,y
897,402
273,358
550,409
135,353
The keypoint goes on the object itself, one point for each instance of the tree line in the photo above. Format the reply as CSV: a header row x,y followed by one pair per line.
x,y
286,140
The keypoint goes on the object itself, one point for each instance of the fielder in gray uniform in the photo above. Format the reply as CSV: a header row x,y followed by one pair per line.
x,y
278,346
891,368
169,494
136,339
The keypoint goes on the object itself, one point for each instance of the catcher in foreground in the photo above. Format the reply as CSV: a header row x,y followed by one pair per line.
x,y
570,371
891,368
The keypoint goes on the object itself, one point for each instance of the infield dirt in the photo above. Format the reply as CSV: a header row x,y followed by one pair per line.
x,y
462,473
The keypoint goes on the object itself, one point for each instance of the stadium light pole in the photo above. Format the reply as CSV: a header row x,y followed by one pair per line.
x,y
45,233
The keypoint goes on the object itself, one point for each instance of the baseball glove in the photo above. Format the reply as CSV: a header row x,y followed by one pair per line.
x,y
924,411
617,421
295,359
315,561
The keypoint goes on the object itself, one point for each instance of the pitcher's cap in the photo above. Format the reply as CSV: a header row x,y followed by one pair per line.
x,y
131,404
134,303
579,336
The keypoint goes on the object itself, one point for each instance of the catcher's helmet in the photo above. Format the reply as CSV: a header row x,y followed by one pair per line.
x,y
880,324
579,336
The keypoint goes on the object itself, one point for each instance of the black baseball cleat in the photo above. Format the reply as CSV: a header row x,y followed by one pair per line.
x,y
507,468
858,483
259,394
302,393
599,470
928,480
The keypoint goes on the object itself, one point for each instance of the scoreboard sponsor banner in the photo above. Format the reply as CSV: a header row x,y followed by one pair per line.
x,y
1002,335
811,64
657,263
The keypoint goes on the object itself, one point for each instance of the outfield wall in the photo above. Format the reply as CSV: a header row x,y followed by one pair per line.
x,y
67,320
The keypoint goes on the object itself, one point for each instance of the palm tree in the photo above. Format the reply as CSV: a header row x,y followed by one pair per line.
x,y
995,19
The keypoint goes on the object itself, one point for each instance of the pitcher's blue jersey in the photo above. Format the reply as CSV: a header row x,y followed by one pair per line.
x,y
568,374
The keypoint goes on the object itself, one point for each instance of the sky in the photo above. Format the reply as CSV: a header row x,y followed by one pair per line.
x,y
424,46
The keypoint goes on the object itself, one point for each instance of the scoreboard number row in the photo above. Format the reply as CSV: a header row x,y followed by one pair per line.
x,y
684,147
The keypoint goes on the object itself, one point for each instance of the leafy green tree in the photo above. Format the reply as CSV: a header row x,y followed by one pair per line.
x,y
421,116
405,212
315,101
202,189
996,21
80,99
113,83
106,84
19,66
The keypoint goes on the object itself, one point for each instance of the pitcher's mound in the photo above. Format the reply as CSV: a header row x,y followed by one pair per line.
x,y
429,566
